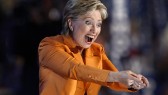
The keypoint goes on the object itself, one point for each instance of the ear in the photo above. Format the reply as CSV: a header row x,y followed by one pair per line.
x,y
70,24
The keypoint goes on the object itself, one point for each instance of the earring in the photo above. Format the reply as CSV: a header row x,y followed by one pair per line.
x,y
71,28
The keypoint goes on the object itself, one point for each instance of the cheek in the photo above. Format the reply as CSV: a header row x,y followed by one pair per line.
x,y
77,35
82,31
98,32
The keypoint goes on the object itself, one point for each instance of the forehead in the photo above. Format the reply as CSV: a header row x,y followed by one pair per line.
x,y
95,14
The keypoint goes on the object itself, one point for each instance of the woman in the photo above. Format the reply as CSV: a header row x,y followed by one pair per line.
x,y
73,64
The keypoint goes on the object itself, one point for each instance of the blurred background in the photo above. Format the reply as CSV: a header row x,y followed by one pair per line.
x,y
135,37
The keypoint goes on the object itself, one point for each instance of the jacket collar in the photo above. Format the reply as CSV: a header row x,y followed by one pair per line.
x,y
68,40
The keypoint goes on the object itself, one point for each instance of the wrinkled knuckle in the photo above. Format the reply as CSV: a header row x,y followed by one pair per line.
x,y
128,71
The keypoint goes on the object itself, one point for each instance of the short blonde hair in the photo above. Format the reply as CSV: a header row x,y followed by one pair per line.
x,y
75,8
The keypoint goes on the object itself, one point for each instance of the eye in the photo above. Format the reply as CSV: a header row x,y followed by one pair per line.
x,y
88,22
99,24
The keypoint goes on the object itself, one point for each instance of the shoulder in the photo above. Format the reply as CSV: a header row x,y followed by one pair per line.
x,y
55,43
52,41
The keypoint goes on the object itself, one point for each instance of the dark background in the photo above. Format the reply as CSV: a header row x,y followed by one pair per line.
x,y
24,23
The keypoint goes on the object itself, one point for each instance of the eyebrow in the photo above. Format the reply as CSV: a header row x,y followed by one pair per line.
x,y
90,18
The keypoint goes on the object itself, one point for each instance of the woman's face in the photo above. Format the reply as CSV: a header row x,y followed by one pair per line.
x,y
86,28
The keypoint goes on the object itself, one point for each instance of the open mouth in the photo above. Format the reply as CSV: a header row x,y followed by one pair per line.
x,y
89,38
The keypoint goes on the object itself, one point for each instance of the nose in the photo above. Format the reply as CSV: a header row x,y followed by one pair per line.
x,y
93,29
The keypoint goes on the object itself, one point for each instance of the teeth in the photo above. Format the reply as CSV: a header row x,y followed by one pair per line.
x,y
90,36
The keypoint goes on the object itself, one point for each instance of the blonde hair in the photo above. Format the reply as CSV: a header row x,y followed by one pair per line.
x,y
75,8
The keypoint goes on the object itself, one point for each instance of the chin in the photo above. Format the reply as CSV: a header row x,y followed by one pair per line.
x,y
85,46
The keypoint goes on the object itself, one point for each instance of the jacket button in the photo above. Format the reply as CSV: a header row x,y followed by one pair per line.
x,y
95,78
90,76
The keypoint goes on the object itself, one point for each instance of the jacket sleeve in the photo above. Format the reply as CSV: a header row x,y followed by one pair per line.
x,y
55,58
108,65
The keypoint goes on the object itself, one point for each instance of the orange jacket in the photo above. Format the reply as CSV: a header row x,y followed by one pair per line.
x,y
64,71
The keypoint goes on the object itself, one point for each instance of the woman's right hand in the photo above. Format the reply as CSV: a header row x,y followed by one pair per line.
x,y
128,78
